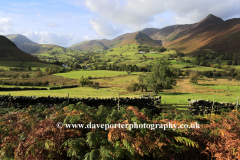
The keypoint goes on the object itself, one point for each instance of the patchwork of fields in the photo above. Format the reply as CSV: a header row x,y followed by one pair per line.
x,y
112,82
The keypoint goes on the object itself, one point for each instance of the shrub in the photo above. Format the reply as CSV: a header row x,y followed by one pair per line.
x,y
37,83
83,81
133,87
194,79
90,83
22,75
237,77
15,76
39,74
96,85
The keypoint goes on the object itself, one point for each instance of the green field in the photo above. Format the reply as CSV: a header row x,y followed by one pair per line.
x,y
113,81
182,98
224,90
81,92
73,92
93,73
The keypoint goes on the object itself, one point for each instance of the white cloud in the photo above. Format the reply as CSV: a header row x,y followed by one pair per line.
x,y
132,13
50,24
5,22
139,14
5,25
103,28
85,38
39,15
61,39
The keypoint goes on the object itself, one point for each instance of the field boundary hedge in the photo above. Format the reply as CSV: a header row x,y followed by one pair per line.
x,y
195,107
35,88
24,101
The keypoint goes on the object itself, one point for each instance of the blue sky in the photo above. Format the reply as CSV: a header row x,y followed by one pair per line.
x,y
66,22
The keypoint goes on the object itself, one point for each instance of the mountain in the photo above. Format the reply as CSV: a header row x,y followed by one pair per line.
x,y
210,33
88,46
19,39
28,46
10,52
37,48
128,38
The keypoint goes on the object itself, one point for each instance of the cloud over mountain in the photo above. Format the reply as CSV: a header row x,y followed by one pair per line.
x,y
50,38
136,15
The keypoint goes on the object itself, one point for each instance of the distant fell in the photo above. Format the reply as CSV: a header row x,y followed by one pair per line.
x,y
38,48
28,46
89,46
10,52
128,38
19,39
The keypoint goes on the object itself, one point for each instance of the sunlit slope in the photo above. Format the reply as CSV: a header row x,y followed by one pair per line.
x,y
210,33
128,38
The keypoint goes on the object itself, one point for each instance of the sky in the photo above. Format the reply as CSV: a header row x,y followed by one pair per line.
x,y
67,22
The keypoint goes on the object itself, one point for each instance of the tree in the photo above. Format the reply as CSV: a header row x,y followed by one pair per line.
x,y
197,60
194,79
162,49
142,81
83,81
161,76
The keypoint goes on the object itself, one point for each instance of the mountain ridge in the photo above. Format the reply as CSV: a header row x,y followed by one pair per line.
x,y
28,46
128,38
210,33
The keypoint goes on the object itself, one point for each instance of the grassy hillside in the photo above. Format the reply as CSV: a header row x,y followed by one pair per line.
x,y
104,44
89,46
37,48
28,46
128,55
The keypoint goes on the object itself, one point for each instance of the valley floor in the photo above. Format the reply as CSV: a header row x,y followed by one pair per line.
x,y
207,88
